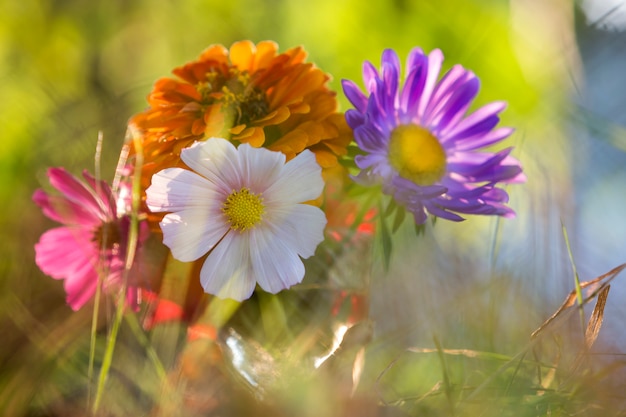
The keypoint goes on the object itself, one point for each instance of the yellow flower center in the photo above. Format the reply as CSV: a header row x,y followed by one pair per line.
x,y
243,209
239,98
416,154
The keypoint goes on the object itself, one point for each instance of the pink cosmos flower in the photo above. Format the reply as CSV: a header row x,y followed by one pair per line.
x,y
91,245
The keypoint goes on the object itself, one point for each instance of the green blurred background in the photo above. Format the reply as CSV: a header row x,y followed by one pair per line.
x,y
72,68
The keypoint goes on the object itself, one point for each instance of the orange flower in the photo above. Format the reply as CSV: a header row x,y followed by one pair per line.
x,y
249,94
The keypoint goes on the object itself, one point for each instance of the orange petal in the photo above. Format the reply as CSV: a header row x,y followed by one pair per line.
x,y
277,116
198,127
265,52
237,129
215,53
325,158
241,55
300,108
192,106
296,55
293,142
255,136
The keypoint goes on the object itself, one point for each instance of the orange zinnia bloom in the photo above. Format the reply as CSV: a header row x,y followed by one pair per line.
x,y
249,94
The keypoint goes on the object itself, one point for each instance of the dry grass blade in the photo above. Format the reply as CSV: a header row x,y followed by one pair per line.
x,y
470,353
594,325
595,321
602,280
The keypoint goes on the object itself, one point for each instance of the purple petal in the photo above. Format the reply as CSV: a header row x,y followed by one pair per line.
x,y
370,74
482,140
435,59
416,58
354,95
453,94
390,69
441,212
369,139
413,88
491,170
419,214
465,127
457,104
354,118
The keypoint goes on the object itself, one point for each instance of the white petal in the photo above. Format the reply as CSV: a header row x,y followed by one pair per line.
x,y
260,168
227,271
175,189
193,232
300,180
301,226
215,159
276,265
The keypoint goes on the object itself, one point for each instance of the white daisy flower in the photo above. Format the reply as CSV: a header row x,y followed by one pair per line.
x,y
244,207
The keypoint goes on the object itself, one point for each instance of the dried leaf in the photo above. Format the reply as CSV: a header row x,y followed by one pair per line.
x,y
357,369
595,321
571,297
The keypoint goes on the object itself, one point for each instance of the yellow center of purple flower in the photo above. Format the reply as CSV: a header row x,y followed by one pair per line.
x,y
417,155
243,209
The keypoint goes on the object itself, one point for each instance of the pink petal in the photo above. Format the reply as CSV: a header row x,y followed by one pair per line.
x,y
103,192
62,210
81,286
67,253
74,190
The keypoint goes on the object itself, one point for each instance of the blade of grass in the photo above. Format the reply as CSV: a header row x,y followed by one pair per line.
x,y
143,340
385,240
133,236
398,218
96,307
446,376
577,288
92,339
108,353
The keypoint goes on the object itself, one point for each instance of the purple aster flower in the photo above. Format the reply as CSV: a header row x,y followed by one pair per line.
x,y
420,143
91,245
